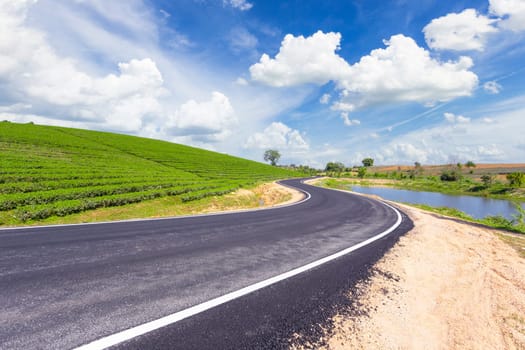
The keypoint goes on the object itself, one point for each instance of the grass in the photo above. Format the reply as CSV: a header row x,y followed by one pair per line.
x,y
165,207
58,175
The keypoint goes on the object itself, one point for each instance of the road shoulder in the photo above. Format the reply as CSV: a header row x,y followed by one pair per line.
x,y
445,284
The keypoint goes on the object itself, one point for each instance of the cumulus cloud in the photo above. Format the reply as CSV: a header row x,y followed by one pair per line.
x,y
280,136
208,121
242,5
492,87
404,72
407,153
325,99
302,61
512,12
34,71
455,119
401,72
462,31
347,121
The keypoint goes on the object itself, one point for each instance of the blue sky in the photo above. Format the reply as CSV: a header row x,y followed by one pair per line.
x,y
399,81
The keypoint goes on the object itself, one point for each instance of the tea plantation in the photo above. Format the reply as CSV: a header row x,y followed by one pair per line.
x,y
53,171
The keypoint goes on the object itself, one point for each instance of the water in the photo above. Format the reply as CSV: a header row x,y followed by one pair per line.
x,y
477,207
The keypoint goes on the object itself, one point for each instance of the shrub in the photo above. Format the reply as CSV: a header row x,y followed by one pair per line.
x,y
450,175
516,179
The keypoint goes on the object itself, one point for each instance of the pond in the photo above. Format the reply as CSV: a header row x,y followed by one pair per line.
x,y
477,207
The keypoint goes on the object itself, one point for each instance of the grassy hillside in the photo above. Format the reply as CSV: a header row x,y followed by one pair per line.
x,y
52,171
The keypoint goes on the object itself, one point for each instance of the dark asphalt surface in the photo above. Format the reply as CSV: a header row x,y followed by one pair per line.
x,y
62,287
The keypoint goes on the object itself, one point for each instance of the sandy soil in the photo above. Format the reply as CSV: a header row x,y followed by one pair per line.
x,y
271,194
445,285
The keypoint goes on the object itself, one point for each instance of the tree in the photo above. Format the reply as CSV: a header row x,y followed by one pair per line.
x,y
272,156
335,167
516,179
368,162
361,172
487,180
450,175
418,169
470,164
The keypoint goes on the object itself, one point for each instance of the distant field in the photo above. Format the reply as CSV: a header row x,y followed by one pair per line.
x,y
52,171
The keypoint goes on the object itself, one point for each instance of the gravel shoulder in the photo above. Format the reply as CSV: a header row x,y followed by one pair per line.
x,y
445,285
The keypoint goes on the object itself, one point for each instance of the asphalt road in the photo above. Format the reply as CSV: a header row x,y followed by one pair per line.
x,y
61,287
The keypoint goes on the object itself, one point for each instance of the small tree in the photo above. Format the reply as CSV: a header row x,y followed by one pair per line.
x,y
272,156
361,172
516,179
470,164
368,162
450,175
487,180
335,167
418,169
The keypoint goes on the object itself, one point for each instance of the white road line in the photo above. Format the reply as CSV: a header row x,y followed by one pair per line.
x,y
133,332
307,197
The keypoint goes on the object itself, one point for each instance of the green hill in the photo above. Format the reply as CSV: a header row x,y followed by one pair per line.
x,y
53,171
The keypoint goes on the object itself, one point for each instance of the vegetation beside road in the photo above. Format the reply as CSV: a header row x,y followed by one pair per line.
x,y
54,172
504,182
517,224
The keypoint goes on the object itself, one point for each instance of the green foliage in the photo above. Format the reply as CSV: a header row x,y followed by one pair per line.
x,y
487,180
272,156
335,167
368,162
516,179
450,175
361,172
470,164
51,171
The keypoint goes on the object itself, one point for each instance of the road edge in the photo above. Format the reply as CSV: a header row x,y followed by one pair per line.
x,y
133,332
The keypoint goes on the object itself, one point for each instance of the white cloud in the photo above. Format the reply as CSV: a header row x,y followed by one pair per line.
x,y
325,99
456,119
242,5
302,61
404,72
241,81
347,121
31,68
512,11
208,121
489,151
493,139
241,39
343,106
492,87
462,31
407,153
279,136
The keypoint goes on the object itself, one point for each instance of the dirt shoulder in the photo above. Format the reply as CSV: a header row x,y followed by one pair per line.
x,y
445,285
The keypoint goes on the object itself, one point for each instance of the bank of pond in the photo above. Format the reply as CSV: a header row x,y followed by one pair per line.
x,y
474,206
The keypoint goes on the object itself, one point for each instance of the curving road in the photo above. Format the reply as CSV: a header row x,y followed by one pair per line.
x,y
65,286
